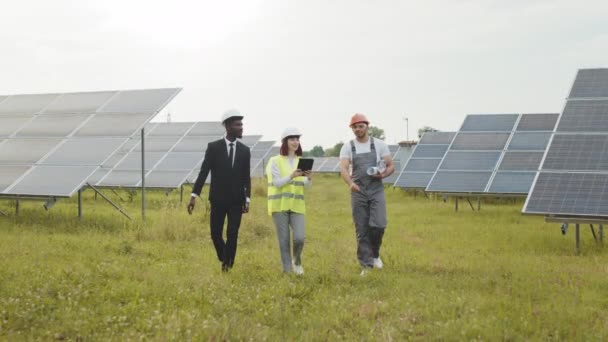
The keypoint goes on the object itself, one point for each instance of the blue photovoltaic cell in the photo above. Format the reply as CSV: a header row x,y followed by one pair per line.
x,y
590,83
468,181
489,122
577,194
537,122
521,161
578,152
512,182
475,161
430,151
529,141
584,116
440,138
414,180
480,141
422,165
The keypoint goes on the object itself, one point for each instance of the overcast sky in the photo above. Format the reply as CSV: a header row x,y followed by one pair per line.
x,y
310,64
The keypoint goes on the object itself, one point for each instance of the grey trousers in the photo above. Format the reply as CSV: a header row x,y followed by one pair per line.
x,y
369,214
282,221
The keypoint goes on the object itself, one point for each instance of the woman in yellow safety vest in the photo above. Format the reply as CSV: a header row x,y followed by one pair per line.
x,y
286,199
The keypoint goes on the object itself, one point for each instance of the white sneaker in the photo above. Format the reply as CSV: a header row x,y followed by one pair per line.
x,y
298,269
378,263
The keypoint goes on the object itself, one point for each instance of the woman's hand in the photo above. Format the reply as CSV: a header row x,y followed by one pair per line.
x,y
308,174
296,173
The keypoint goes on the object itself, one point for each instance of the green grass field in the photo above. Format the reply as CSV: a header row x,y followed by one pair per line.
x,y
488,275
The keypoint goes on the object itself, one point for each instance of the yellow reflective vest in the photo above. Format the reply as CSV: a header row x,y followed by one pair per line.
x,y
291,195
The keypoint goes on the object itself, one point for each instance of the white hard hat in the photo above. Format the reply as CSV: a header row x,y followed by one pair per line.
x,y
231,113
290,132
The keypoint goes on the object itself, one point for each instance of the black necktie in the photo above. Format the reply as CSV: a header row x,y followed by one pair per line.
x,y
231,154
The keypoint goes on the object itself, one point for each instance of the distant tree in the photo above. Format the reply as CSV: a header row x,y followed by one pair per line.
x,y
424,129
317,151
334,151
376,132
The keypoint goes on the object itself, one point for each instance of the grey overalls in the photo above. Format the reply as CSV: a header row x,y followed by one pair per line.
x,y
368,206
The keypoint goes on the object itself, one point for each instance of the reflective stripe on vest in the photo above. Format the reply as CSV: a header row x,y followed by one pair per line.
x,y
291,195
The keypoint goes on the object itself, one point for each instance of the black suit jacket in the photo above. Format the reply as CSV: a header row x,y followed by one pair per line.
x,y
230,185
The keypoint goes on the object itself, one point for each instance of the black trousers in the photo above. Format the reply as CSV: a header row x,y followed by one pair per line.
x,y
226,250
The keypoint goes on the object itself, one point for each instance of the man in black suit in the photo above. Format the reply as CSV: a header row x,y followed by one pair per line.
x,y
228,161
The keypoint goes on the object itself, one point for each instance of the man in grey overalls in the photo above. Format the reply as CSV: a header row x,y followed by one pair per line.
x,y
367,191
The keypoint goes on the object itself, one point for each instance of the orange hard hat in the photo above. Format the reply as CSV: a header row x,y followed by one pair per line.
x,y
358,118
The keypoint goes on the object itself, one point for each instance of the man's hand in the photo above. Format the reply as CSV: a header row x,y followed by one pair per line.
x,y
378,175
308,174
354,187
191,205
245,208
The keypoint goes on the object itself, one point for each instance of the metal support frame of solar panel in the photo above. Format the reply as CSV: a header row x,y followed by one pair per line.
x,y
494,155
426,157
572,183
64,137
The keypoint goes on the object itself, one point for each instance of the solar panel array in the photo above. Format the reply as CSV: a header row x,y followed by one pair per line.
x,y
50,144
496,154
426,157
573,178
173,155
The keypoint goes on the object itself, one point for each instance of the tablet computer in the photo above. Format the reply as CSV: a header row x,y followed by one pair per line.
x,y
305,164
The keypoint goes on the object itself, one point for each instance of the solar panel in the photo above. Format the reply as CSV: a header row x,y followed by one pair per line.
x,y
480,141
529,141
165,179
512,182
455,160
172,129
430,151
112,125
590,83
442,138
62,140
537,122
520,161
418,168
422,165
138,101
584,116
579,152
26,104
330,165
514,147
10,124
52,126
60,181
9,174
414,180
71,152
573,179
26,151
181,161
459,181
489,123
82,103
250,140
207,128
